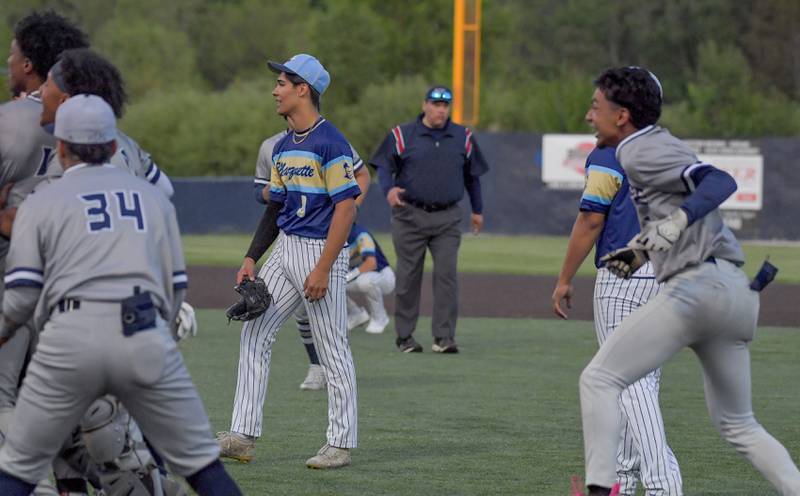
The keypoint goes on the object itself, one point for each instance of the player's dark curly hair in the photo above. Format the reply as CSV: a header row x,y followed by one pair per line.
x,y
634,88
92,154
86,72
295,79
42,36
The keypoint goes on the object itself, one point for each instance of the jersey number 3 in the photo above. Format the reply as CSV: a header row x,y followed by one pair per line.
x,y
98,218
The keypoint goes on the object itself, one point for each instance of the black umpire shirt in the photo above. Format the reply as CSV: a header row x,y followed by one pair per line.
x,y
434,166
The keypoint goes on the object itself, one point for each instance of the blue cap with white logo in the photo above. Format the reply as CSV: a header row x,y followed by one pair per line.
x,y
308,68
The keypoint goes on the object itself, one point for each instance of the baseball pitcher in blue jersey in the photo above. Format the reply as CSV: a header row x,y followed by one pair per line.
x,y
705,302
607,220
311,206
315,377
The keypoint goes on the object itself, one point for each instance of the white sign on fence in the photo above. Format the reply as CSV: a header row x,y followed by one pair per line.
x,y
564,160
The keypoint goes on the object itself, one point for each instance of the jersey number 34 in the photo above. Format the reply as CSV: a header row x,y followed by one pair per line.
x,y
128,207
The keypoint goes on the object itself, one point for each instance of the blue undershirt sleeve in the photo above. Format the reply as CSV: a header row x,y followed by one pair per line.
x,y
259,193
712,188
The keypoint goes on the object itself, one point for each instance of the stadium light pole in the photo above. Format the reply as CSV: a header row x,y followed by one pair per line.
x,y
466,61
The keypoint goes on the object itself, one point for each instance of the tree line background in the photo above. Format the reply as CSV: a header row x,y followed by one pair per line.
x,y
200,91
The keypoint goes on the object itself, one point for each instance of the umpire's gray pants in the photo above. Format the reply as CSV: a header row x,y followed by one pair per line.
x,y
83,355
711,309
413,232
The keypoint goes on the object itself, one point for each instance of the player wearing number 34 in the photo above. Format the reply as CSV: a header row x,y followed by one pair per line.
x,y
104,317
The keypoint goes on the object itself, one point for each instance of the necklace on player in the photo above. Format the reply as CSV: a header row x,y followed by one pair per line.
x,y
298,138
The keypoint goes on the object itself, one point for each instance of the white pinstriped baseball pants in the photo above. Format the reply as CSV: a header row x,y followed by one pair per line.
x,y
285,271
711,309
643,449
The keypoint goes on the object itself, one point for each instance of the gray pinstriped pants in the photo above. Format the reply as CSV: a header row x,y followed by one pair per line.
x,y
643,449
285,271
83,355
710,309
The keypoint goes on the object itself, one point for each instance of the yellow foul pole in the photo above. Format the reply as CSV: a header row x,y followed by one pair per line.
x,y
466,61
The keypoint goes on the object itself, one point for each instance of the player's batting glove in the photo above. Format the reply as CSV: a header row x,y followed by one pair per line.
x,y
661,235
254,302
186,323
624,262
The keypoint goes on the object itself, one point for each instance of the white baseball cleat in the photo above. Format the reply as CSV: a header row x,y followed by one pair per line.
x,y
356,319
377,326
329,457
236,446
315,379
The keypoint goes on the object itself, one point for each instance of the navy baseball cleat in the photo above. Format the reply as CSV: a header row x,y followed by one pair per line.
x,y
408,345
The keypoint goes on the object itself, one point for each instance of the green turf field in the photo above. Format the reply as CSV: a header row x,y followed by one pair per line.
x,y
531,255
502,417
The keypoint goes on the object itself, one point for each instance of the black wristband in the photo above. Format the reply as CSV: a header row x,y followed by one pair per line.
x,y
266,233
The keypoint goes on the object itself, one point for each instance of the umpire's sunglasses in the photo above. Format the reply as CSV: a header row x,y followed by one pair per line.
x,y
439,95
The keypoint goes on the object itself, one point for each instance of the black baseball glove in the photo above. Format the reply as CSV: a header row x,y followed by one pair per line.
x,y
624,261
254,302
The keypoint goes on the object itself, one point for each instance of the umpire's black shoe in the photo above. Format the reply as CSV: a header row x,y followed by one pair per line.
x,y
444,345
408,345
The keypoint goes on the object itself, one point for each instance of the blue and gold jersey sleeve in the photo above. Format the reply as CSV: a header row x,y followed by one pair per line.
x,y
277,187
364,246
602,185
338,175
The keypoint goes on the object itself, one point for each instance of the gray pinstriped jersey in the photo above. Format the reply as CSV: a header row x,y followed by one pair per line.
x,y
658,167
25,148
264,161
93,235
129,156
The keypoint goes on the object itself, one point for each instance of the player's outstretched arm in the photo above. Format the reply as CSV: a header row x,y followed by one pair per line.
x,y
316,284
585,231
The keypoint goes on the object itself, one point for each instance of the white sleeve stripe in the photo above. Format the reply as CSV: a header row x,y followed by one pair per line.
x,y
27,275
151,172
258,180
358,164
179,278
687,174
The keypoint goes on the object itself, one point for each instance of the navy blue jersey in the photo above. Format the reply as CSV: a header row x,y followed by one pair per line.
x,y
363,245
606,192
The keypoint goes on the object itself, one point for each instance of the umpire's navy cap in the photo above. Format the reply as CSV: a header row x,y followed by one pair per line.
x,y
85,120
308,68
439,94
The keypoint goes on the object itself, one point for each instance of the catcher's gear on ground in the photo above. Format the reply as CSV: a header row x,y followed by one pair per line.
x,y
254,302
186,323
661,235
624,261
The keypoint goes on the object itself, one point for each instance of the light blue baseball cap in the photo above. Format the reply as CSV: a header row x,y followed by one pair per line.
x,y
308,68
85,120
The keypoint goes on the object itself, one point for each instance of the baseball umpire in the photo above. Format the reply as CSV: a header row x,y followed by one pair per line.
x,y
105,317
424,167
